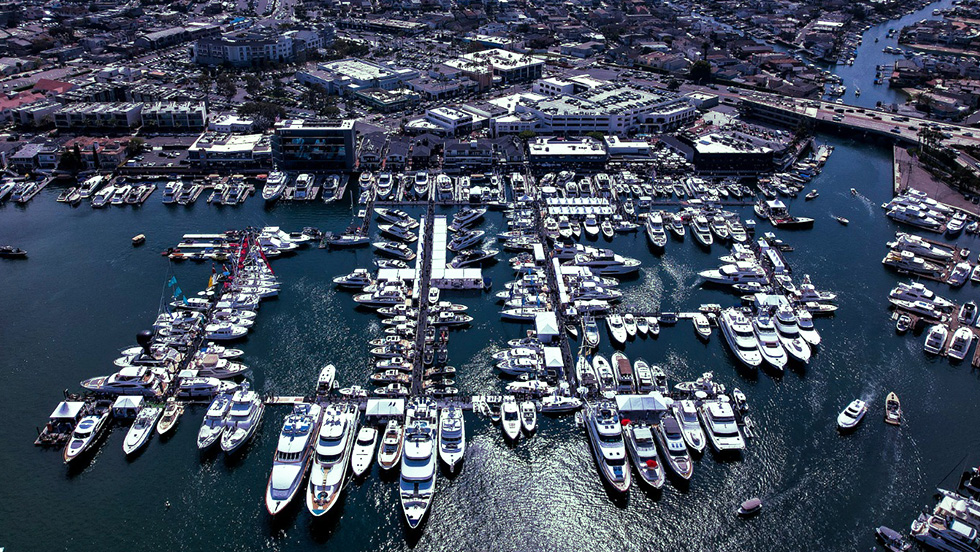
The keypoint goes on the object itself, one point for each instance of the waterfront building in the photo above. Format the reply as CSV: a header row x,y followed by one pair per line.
x,y
315,144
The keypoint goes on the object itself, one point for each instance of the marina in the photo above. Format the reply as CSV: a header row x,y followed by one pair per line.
x,y
473,394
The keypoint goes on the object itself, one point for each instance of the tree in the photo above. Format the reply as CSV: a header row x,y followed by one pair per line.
x,y
253,85
71,160
700,71
135,145
673,84
205,81
527,135
264,113
226,86
596,135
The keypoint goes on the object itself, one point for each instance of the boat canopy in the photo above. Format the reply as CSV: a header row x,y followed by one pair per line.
x,y
127,405
385,408
652,402
763,300
67,410
546,325
553,358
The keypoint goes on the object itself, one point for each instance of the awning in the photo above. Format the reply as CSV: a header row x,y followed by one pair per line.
x,y
385,407
67,410
653,402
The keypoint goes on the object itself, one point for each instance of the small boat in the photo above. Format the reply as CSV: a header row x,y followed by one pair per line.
x,y
812,195
842,220
139,239
629,323
529,417
11,252
750,507
390,450
510,418
903,324
139,434
363,453
968,313
891,539
701,326
171,413
851,416
893,409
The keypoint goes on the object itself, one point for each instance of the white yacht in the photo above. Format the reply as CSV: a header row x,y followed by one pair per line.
x,y
701,230
529,412
398,232
807,331
275,185
556,404
203,388
452,436
617,328
906,261
606,263
141,430
655,231
719,423
171,191
603,370
741,272
363,453
919,246
326,379
851,416
395,249
740,337
936,339
86,434
961,343
608,447
243,419
686,413
223,331
417,483
789,336
129,380
643,375
332,454
643,453
769,345
292,456
673,448
916,291
214,422
390,449
510,418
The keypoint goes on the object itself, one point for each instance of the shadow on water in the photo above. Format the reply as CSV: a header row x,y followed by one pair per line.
x,y
323,527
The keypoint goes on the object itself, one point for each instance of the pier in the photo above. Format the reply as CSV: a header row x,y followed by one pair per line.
x,y
423,273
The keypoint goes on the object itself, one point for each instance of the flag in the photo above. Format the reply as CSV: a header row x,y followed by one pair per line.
x,y
184,299
211,281
172,282
177,291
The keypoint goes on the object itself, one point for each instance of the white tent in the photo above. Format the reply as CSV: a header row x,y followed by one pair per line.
x,y
552,358
642,404
67,410
546,325
127,406
385,408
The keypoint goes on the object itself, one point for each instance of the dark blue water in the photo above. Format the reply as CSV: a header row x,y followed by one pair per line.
x,y
85,292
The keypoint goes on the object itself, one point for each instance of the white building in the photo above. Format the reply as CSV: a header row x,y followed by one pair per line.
x,y
610,109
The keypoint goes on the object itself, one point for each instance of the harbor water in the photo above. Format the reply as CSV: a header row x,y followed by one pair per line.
x,y
85,291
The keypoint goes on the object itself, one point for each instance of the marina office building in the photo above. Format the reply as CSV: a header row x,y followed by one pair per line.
x,y
314,144
610,109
